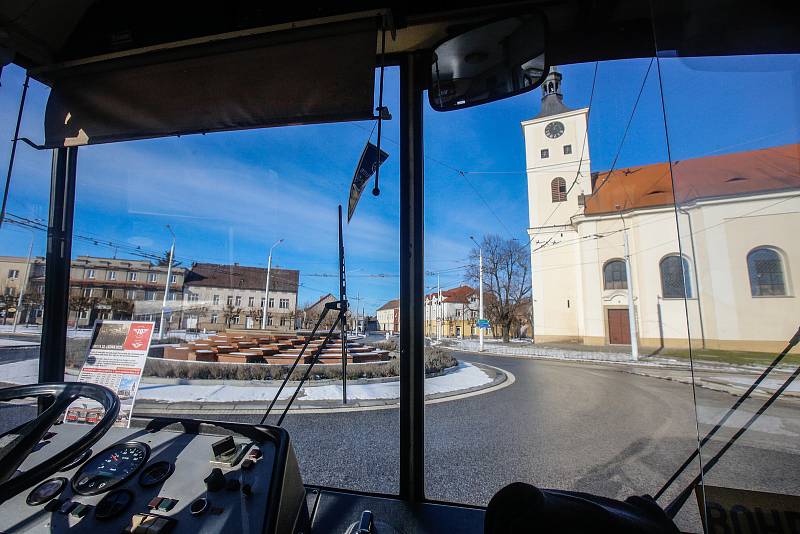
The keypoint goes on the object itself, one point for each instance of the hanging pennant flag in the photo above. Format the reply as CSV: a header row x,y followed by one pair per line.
x,y
366,168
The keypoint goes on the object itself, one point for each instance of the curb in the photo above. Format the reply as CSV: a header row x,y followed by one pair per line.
x,y
501,380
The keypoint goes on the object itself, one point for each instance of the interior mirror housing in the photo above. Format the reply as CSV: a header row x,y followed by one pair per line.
x,y
490,62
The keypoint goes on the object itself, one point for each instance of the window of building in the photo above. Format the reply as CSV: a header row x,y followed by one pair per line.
x,y
173,295
567,149
765,268
238,301
614,275
269,319
13,273
283,321
271,302
132,277
90,273
262,302
193,297
87,292
229,301
251,301
558,189
111,275
545,153
130,294
149,295
9,291
214,318
675,277
284,304
84,314
152,277
108,293
215,300
235,319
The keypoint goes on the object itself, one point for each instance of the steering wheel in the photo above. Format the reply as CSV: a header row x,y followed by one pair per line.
x,y
17,444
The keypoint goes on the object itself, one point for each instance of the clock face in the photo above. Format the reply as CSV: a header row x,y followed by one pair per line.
x,y
554,129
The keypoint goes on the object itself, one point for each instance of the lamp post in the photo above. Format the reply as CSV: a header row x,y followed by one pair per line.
x,y
166,287
629,281
266,288
480,294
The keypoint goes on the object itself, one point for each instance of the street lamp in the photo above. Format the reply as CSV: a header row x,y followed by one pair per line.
x,y
480,285
166,287
266,288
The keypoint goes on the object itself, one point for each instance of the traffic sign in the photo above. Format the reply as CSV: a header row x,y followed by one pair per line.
x,y
482,323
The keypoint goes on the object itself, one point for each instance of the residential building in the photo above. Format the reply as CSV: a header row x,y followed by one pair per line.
x,y
18,276
111,288
312,313
454,315
389,317
218,297
728,280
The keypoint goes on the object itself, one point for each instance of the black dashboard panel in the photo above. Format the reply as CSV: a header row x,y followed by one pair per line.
x,y
257,489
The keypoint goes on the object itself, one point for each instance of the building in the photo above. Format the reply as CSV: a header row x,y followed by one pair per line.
x,y
119,289
312,313
736,262
218,296
456,312
18,277
389,317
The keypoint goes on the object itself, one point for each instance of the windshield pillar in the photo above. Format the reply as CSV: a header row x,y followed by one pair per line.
x,y
58,263
412,281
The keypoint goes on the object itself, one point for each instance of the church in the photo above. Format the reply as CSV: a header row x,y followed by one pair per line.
x,y
704,250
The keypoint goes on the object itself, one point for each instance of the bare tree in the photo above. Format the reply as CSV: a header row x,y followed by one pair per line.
x,y
229,312
79,304
506,280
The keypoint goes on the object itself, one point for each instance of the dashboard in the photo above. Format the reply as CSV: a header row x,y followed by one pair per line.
x,y
168,476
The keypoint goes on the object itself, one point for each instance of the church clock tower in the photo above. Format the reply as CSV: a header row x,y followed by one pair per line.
x,y
558,170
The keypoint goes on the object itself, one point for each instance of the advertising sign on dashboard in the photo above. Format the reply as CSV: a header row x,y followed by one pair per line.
x,y
116,357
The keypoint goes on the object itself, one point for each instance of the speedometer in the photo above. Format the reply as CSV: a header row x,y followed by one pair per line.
x,y
110,468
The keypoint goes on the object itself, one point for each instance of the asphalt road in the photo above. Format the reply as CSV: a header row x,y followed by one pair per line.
x,y
576,426
581,427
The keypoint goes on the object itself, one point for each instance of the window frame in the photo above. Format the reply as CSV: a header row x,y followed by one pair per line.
x,y
686,268
784,272
556,194
624,280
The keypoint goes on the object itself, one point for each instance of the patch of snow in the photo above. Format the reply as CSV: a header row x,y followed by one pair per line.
x,y
770,384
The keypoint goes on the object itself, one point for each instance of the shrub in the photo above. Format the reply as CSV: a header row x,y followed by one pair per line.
x,y
436,360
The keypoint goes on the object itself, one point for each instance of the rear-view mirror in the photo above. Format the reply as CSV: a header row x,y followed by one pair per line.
x,y
494,61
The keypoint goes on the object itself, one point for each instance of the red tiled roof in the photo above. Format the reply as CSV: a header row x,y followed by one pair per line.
x,y
768,169
392,304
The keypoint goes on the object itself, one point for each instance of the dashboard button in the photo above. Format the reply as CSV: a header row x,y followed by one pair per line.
x,y
113,504
198,506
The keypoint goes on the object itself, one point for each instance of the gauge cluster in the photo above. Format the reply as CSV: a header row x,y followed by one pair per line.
x,y
110,468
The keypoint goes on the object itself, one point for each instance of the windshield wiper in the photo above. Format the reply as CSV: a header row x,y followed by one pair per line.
x,y
673,508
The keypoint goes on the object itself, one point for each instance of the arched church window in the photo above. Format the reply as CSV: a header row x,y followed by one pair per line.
x,y
765,268
676,280
614,276
558,189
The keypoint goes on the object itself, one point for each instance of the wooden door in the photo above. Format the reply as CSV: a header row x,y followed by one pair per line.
x,y
619,327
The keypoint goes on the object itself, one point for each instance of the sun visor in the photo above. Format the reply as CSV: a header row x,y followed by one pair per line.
x,y
312,75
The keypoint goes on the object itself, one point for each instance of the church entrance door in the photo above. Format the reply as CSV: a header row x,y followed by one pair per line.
x,y
619,327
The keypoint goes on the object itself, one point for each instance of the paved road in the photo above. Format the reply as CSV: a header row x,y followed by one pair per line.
x,y
568,425
575,426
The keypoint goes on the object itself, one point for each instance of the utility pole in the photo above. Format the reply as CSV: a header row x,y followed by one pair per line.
x,y
631,312
480,294
24,286
266,288
166,287
440,318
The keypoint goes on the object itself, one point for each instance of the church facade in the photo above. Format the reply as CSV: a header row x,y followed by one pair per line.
x,y
704,249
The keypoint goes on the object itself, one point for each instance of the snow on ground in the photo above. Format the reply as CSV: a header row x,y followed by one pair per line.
x,y
464,376
24,372
770,384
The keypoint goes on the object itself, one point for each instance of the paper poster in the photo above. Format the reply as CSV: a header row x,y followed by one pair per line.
x,y
116,358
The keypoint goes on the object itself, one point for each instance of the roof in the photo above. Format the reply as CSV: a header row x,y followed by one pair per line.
x,y
322,300
392,304
241,277
552,98
456,295
755,171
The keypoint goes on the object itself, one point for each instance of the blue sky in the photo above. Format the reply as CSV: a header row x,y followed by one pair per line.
x,y
229,196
